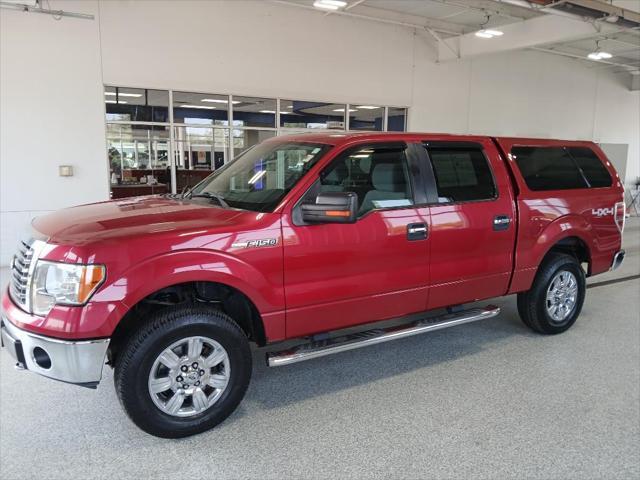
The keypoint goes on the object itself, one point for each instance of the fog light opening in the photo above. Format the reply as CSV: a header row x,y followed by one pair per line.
x,y
41,358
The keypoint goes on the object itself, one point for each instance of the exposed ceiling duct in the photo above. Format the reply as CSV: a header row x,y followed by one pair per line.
x,y
585,9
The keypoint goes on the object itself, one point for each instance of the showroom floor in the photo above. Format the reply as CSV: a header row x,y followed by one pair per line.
x,y
484,400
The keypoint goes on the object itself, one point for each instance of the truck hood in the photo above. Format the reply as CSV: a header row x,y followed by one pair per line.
x,y
138,216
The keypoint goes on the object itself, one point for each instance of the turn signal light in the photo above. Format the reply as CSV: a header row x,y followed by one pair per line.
x,y
90,278
337,213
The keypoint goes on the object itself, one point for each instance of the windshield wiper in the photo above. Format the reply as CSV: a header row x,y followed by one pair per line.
x,y
212,196
186,191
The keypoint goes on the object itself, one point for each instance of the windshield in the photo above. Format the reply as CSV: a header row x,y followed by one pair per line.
x,y
260,177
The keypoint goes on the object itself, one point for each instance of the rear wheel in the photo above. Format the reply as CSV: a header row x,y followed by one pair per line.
x,y
555,299
183,372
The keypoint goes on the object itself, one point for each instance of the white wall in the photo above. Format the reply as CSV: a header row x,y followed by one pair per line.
x,y
51,113
258,48
53,71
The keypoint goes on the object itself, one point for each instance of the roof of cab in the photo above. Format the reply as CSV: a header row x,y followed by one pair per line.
x,y
339,138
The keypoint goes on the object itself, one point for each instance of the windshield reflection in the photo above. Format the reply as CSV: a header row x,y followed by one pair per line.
x,y
261,176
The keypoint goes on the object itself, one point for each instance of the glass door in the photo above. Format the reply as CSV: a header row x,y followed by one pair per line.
x,y
198,151
138,160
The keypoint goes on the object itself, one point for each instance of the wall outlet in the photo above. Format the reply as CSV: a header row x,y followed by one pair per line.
x,y
65,170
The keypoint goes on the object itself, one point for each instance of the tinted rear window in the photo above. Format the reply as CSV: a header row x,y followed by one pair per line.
x,y
593,169
560,168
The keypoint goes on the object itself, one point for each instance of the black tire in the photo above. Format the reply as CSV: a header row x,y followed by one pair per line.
x,y
532,304
134,363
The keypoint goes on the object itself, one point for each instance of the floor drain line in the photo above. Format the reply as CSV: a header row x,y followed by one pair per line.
x,y
615,280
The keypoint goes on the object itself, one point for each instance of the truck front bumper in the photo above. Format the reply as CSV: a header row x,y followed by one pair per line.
x,y
77,362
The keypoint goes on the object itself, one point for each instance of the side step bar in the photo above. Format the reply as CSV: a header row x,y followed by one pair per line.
x,y
380,335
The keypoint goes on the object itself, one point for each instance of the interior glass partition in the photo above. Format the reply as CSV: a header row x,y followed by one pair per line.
x,y
302,114
138,160
198,151
366,117
163,141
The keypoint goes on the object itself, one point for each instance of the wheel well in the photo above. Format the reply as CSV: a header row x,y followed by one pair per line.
x,y
228,299
575,247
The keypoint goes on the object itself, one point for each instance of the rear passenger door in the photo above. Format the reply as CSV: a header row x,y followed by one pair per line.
x,y
472,230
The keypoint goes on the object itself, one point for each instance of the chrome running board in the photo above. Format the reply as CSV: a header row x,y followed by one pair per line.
x,y
380,335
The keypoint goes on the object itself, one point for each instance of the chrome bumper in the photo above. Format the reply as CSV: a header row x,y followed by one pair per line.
x,y
617,260
78,362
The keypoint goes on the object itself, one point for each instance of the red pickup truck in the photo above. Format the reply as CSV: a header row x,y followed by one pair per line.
x,y
298,238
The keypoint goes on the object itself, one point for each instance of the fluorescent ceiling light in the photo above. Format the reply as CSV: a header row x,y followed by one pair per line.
x,y
599,55
342,110
489,33
367,107
113,94
273,111
257,177
113,101
201,107
217,100
329,4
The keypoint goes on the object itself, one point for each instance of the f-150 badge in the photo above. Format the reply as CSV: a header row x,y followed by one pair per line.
x,y
263,242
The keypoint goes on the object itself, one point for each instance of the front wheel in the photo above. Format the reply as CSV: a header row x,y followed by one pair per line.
x,y
555,299
183,372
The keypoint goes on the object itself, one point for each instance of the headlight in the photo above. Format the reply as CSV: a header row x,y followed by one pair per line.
x,y
63,284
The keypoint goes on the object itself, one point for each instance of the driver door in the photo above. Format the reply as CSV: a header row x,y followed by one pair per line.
x,y
338,275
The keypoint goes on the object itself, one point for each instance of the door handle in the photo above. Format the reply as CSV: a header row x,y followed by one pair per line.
x,y
501,222
417,231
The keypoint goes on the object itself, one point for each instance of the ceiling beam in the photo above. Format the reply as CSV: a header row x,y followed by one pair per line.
x,y
628,68
530,33
433,23
490,7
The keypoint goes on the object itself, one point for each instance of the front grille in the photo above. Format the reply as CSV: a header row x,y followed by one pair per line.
x,y
19,287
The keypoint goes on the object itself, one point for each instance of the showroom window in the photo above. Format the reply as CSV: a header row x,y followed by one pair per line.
x,y
302,114
462,174
366,117
136,105
214,109
138,159
396,119
166,141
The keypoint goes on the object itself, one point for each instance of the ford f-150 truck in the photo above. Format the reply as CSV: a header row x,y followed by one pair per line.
x,y
301,237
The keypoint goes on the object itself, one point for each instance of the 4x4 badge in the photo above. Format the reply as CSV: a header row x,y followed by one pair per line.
x,y
601,212
263,242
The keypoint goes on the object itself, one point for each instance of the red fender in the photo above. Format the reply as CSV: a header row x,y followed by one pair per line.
x,y
156,273
533,248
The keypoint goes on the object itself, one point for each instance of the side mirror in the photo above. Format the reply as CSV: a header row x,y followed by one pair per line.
x,y
331,207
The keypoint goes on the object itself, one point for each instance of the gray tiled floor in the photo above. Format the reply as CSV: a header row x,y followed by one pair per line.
x,y
484,400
